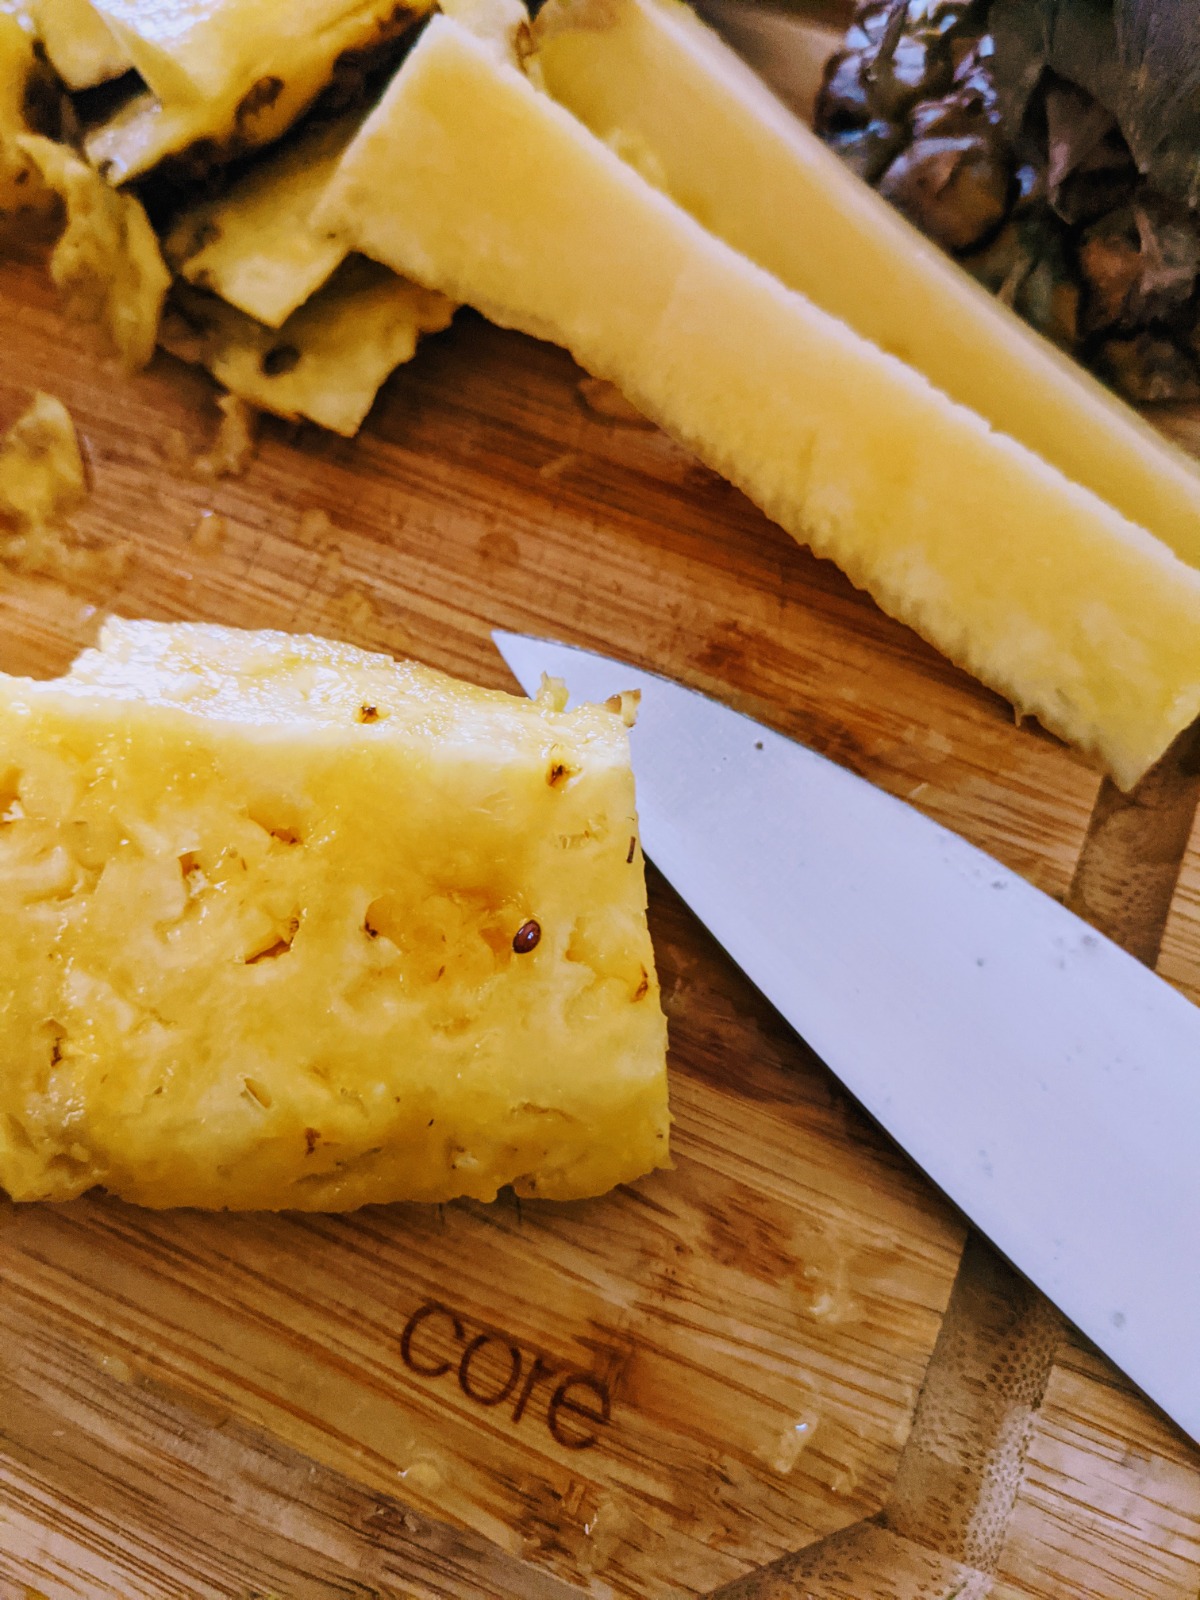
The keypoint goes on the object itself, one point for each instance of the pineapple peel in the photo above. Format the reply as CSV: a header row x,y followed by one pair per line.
x,y
107,262
329,358
284,924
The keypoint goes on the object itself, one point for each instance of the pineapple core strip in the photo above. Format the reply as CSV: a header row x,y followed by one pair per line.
x,y
82,48
501,198
284,924
255,246
328,360
648,77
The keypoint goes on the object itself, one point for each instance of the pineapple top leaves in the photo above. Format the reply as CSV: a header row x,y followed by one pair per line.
x,y
1140,59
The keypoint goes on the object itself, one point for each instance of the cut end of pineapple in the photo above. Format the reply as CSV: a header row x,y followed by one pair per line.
x,y
288,925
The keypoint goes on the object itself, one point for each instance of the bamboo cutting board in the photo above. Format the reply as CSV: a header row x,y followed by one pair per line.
x,y
782,1369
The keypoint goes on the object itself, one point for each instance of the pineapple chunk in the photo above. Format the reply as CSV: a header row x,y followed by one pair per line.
x,y
328,360
267,917
220,50
20,187
107,262
41,467
499,197
82,48
648,77
255,246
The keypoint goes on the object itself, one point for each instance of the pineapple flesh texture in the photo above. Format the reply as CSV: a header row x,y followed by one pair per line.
x,y
107,262
328,360
255,246
190,51
648,77
81,47
269,73
20,187
500,198
258,898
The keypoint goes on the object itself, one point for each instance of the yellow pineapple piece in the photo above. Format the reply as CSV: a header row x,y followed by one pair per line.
x,y
82,48
284,924
219,50
21,189
499,197
272,75
649,78
107,262
329,358
41,467
255,245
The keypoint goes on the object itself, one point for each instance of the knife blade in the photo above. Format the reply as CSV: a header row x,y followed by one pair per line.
x,y
1041,1076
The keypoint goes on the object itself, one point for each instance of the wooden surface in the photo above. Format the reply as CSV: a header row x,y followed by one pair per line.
x,y
812,1387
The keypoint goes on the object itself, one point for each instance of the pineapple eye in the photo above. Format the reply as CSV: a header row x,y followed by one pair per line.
x,y
527,937
279,360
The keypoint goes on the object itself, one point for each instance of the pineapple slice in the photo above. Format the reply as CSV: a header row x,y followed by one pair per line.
x,y
650,78
499,197
275,84
269,916
82,48
328,360
194,51
255,246
107,262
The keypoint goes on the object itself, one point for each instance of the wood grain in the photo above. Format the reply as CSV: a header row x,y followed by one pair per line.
x,y
1110,1495
1179,954
783,1285
221,1406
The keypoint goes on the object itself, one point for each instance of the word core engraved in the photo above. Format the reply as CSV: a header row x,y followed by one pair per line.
x,y
491,1369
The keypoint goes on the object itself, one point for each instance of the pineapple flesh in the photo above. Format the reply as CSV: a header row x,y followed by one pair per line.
x,y
107,262
498,197
284,924
328,360
651,79
20,187
190,51
255,246
265,76
81,47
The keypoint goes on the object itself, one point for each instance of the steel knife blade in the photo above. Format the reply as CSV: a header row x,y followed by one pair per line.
x,y
1043,1078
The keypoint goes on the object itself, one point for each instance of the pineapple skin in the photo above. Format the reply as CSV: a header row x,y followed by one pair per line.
x,y
500,198
334,353
258,896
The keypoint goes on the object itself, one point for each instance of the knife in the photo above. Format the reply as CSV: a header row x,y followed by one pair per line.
x,y
1043,1078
